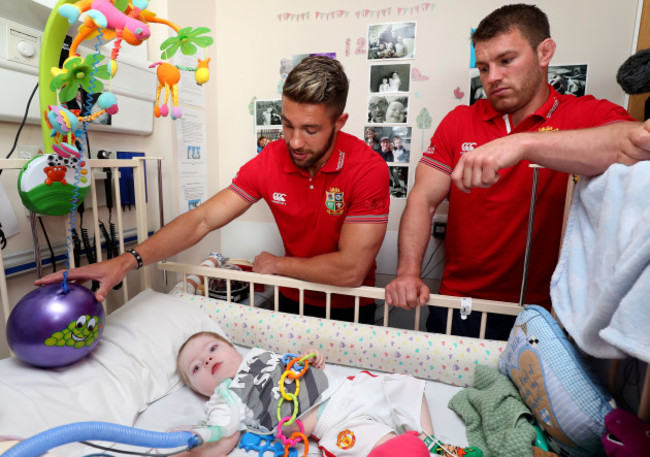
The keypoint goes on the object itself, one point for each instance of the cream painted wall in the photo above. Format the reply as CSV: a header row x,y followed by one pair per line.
x,y
252,41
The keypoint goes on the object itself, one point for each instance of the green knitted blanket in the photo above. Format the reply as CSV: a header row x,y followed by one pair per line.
x,y
496,418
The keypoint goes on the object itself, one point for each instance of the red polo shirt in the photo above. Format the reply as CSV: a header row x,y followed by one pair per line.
x,y
486,229
351,187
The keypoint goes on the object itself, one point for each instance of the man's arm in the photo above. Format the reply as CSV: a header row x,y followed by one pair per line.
x,y
346,267
586,152
408,290
181,233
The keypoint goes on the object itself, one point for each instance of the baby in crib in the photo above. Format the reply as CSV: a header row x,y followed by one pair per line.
x,y
364,415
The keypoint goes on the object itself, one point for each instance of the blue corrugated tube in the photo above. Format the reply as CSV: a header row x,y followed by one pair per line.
x,y
42,442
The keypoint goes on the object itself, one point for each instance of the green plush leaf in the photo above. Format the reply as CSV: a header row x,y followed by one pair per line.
x,y
73,63
170,51
121,4
94,59
188,49
184,31
102,72
198,31
169,42
58,82
94,88
68,92
203,42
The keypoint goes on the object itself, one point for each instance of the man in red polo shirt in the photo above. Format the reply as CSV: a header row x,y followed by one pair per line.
x,y
485,150
328,191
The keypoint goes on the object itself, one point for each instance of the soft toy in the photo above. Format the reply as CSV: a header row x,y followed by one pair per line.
x,y
627,435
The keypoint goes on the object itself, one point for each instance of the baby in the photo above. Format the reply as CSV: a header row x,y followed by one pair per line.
x,y
365,415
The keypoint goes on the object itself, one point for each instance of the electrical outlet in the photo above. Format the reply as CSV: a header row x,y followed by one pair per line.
x,y
23,44
439,229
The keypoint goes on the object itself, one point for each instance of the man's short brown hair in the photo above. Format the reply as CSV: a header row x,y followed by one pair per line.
x,y
318,80
529,19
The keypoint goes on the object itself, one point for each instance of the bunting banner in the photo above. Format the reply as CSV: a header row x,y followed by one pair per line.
x,y
381,13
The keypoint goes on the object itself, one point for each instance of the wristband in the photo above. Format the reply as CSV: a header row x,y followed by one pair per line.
x,y
137,257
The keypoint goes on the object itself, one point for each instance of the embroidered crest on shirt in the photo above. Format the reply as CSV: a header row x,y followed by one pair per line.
x,y
334,201
548,128
345,439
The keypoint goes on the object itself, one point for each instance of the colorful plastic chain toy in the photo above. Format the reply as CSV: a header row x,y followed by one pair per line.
x,y
293,397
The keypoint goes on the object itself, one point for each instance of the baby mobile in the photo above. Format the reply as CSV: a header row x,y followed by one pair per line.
x,y
58,324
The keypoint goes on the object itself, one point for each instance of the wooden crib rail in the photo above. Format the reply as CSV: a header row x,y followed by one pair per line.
x,y
482,306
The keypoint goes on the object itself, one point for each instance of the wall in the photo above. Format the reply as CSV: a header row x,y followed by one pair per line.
x,y
254,40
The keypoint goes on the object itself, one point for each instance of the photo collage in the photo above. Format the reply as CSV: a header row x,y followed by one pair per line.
x,y
387,130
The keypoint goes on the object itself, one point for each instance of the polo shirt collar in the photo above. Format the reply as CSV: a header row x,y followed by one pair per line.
x,y
333,165
545,111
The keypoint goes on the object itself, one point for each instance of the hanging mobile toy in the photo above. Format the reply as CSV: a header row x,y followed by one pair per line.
x,y
56,182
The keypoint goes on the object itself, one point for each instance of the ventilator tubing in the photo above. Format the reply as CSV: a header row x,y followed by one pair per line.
x,y
102,431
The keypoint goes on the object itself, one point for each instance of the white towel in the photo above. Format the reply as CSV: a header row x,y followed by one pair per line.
x,y
601,286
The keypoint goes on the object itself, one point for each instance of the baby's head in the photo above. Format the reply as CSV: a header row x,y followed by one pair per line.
x,y
205,360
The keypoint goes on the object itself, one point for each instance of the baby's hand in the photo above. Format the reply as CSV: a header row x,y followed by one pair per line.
x,y
316,361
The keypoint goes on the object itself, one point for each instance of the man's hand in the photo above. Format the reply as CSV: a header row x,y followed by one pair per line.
x,y
265,263
480,167
636,146
407,291
109,273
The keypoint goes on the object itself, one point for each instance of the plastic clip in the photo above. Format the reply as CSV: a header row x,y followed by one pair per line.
x,y
465,307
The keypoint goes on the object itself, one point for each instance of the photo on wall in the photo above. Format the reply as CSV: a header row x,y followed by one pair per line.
x,y
392,143
568,79
268,112
266,136
390,78
388,109
399,178
395,40
565,79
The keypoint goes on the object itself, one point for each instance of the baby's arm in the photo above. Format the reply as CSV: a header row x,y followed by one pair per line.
x,y
317,361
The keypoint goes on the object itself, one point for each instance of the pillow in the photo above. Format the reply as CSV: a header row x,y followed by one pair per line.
x,y
133,365
556,383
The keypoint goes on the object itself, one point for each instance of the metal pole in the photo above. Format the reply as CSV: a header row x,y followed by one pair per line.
x,y
529,235
37,247
161,209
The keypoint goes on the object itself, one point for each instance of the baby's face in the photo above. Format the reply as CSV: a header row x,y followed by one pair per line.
x,y
395,112
207,361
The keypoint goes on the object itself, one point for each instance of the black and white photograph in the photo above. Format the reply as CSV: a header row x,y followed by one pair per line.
x,y
399,178
387,109
265,136
267,112
390,78
392,143
568,79
476,91
391,41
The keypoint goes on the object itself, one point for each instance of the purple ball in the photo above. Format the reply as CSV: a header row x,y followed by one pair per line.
x,y
52,328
